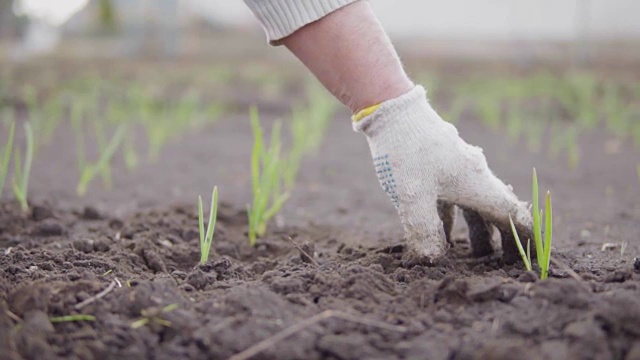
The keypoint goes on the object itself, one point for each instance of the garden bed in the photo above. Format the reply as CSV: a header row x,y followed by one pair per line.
x,y
328,280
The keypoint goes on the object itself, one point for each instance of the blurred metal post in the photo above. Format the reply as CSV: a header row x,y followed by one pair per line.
x,y
169,26
583,22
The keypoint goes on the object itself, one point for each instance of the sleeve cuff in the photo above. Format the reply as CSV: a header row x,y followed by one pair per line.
x,y
281,18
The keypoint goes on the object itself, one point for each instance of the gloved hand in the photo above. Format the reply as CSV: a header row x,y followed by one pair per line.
x,y
426,169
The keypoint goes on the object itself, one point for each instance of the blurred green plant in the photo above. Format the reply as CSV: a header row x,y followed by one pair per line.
x,y
267,177
8,147
88,171
21,174
107,16
71,318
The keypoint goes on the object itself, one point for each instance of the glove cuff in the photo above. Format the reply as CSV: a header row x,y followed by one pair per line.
x,y
411,105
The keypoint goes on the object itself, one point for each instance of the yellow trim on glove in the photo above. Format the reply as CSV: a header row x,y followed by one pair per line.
x,y
364,112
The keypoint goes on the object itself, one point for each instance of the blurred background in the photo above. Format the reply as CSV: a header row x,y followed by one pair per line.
x,y
523,30
140,103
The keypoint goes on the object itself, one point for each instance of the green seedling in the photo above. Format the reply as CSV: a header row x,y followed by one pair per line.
x,y
206,238
542,244
4,167
489,108
101,140
70,318
267,174
153,315
577,93
299,145
89,171
20,173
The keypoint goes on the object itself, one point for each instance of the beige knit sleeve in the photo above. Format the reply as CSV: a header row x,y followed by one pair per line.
x,y
281,18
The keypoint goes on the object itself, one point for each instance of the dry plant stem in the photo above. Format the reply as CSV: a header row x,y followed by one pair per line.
x,y
302,251
98,296
13,316
285,333
352,56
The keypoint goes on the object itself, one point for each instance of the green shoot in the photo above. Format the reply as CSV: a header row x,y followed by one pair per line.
x,y
526,257
20,173
206,239
91,170
101,140
69,318
542,244
267,173
4,167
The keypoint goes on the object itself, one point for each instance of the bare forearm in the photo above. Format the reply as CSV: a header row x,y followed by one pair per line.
x,y
349,52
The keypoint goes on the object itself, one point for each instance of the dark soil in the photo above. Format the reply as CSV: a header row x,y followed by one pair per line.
x,y
458,308
329,280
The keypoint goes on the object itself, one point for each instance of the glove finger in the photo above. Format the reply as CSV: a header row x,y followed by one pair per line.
x,y
480,190
480,233
510,252
447,214
423,228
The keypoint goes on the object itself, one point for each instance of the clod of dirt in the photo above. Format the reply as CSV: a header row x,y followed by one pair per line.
x,y
452,291
84,245
146,250
28,298
307,252
39,213
634,353
200,279
91,213
617,276
116,224
528,277
49,227
38,321
636,265
500,349
497,291
354,346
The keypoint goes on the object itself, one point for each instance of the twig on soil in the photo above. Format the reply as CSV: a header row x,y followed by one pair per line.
x,y
13,316
327,314
99,295
117,281
303,252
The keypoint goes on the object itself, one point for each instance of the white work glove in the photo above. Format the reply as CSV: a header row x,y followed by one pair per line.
x,y
426,169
